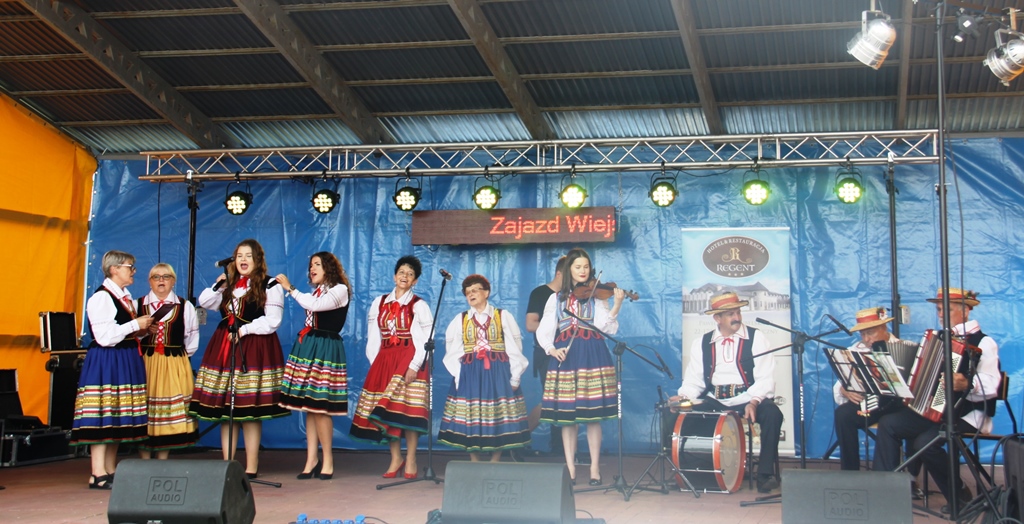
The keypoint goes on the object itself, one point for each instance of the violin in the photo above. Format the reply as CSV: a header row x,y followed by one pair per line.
x,y
600,291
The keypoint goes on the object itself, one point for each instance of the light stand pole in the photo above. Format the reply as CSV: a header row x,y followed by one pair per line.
x,y
194,187
890,188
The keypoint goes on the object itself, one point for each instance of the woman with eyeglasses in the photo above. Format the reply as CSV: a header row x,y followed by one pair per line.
x,y
110,407
172,338
251,303
315,376
394,399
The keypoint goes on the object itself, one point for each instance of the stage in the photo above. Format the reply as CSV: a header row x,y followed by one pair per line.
x,y
56,492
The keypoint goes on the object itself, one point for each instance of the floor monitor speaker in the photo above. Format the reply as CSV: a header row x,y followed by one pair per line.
x,y
862,497
181,492
512,493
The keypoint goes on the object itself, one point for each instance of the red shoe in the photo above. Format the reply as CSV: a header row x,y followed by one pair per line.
x,y
393,474
410,475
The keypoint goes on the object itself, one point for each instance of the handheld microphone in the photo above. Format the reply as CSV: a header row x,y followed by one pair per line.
x,y
218,284
445,274
226,261
840,324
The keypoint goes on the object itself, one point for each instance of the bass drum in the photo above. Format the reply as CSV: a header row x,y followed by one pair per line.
x,y
708,449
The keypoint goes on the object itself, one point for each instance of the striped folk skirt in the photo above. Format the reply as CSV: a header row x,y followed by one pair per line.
x,y
582,389
483,413
388,406
111,403
315,376
169,386
259,366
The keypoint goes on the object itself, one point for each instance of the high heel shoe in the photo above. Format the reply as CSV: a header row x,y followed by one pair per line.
x,y
312,473
251,476
595,482
393,474
100,482
412,475
326,476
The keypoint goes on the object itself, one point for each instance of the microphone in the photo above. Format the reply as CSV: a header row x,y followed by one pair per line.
x,y
661,397
218,284
664,367
226,261
762,321
445,274
840,324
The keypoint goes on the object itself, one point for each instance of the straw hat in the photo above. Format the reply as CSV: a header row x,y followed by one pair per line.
x,y
725,302
871,317
967,297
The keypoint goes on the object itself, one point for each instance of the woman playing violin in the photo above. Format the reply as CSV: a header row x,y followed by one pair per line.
x,y
580,383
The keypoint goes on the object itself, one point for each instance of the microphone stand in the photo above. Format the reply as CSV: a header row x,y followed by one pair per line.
x,y
428,360
620,347
799,339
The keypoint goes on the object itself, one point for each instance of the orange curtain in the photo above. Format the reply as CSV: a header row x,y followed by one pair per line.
x,y
44,221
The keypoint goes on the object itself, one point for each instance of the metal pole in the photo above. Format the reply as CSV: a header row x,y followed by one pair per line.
x,y
890,188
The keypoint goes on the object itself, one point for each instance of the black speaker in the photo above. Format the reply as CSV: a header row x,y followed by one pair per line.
x,y
862,497
507,493
181,492
1013,466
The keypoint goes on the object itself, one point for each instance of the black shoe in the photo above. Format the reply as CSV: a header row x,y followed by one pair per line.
x,y
767,483
595,482
965,498
312,473
251,476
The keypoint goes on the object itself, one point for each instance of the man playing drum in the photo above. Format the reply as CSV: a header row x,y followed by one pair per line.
x,y
723,372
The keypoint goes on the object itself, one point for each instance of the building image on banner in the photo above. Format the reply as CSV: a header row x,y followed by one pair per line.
x,y
754,264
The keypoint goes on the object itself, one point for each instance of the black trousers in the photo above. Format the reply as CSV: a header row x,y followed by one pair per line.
x,y
848,421
905,423
769,417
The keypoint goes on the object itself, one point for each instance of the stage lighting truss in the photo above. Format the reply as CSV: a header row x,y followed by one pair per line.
x,y
1006,60
849,185
486,197
663,189
871,45
325,199
572,194
407,197
237,202
755,191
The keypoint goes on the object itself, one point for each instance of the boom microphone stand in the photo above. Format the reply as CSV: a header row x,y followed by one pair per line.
x,y
428,360
620,347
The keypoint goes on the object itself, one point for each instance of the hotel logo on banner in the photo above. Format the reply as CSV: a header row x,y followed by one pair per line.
x,y
736,257
514,226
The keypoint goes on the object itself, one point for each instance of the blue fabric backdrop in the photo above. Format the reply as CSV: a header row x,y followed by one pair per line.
x,y
839,260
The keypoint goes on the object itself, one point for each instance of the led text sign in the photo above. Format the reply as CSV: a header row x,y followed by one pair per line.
x,y
514,226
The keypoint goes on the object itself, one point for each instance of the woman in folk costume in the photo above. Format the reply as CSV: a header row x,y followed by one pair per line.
x,y
252,304
580,385
110,407
485,411
172,338
395,395
315,379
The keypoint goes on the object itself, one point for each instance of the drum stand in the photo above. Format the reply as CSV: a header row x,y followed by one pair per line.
x,y
660,460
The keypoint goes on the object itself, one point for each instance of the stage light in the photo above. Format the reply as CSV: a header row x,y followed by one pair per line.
x,y
663,189
968,27
572,194
407,197
238,201
849,187
755,191
487,196
1006,61
871,45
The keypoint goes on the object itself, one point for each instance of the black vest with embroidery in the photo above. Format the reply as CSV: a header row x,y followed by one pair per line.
x,y
988,405
744,359
174,332
123,316
332,320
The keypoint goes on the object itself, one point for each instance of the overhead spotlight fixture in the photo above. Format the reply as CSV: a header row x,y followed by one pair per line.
x,y
325,199
755,191
572,194
871,45
407,197
486,197
849,185
663,189
1006,61
238,201
967,25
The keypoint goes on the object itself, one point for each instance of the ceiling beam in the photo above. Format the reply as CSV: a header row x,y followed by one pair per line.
x,y
493,53
685,19
116,59
903,85
300,52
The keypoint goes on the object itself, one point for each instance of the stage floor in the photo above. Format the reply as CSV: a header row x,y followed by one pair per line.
x,y
56,492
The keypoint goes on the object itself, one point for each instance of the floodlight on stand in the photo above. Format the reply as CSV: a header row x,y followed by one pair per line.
x,y
572,194
487,196
407,197
871,45
755,191
663,189
237,202
325,199
1006,61
849,185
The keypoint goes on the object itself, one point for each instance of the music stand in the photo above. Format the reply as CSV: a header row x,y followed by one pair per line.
x,y
428,360
619,483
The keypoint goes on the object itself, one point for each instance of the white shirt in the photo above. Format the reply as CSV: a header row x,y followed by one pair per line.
x,y
272,310
191,321
986,376
454,349
726,372
548,328
859,347
335,298
102,312
421,320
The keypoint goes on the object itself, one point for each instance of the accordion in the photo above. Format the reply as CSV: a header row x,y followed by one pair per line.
x,y
926,380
